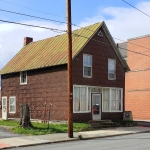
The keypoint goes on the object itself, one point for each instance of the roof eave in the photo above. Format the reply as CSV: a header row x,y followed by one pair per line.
x,y
1,73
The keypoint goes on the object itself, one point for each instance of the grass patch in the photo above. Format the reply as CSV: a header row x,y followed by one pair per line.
x,y
9,123
40,129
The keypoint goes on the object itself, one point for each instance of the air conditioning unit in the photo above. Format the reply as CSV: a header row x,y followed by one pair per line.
x,y
127,115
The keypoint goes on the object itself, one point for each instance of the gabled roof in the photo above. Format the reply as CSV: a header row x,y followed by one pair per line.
x,y
50,51
111,40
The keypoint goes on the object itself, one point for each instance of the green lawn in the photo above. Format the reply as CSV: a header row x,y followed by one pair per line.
x,y
40,129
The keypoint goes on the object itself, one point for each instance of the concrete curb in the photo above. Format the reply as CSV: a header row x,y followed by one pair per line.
x,y
105,136
75,139
42,143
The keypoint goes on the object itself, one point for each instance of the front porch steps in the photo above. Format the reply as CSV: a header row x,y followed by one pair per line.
x,y
101,124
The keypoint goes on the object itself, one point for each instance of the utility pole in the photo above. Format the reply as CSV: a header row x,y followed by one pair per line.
x,y
70,92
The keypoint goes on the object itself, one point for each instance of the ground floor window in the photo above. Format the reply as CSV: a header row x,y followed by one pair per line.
x,y
12,104
105,102
81,101
112,100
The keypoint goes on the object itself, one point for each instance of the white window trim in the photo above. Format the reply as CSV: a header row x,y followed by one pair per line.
x,y
108,69
87,66
109,111
110,100
23,83
87,111
15,104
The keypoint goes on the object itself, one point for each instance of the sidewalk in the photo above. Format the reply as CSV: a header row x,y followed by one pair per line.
x,y
6,143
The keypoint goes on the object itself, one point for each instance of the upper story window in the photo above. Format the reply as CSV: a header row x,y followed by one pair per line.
x,y
23,77
87,65
111,69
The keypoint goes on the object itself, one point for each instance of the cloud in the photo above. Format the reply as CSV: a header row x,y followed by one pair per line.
x,y
12,36
123,23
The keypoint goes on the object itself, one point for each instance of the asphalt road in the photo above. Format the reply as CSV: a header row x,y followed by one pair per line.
x,y
6,134
129,142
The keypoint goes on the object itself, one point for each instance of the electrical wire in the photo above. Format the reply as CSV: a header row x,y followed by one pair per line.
x,y
56,30
142,13
33,9
111,45
23,24
52,29
17,13
136,8
131,43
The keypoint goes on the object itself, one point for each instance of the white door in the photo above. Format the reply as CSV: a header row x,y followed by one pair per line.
x,y
96,106
4,108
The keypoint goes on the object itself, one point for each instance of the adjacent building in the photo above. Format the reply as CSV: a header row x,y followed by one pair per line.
x,y
137,89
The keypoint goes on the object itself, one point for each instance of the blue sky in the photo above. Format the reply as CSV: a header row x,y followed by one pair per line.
x,y
122,20
81,9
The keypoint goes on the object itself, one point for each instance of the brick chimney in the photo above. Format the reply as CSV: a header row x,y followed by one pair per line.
x,y
27,40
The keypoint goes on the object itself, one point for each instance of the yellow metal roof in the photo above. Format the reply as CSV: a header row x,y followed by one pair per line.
x,y
49,52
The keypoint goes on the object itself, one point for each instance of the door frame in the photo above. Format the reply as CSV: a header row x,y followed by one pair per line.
x,y
100,115
4,118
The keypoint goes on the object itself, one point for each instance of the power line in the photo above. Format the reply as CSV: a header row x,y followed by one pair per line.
x,y
17,13
23,24
117,38
120,39
55,30
142,13
131,43
118,46
136,8
33,9
62,21
115,46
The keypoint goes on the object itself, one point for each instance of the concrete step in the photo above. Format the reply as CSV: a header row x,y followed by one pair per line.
x,y
101,123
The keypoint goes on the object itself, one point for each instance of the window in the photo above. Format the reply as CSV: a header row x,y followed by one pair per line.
x,y
81,102
87,65
115,100
23,77
106,99
111,69
12,104
112,100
